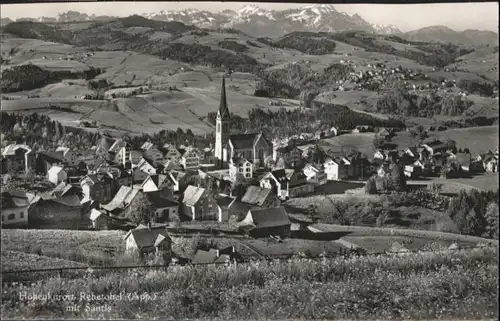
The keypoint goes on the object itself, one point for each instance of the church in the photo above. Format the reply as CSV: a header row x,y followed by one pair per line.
x,y
254,147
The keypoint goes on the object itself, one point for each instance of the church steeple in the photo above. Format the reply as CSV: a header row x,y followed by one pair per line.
x,y
223,110
222,130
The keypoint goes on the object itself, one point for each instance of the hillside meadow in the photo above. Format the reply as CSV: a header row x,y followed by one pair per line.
x,y
441,285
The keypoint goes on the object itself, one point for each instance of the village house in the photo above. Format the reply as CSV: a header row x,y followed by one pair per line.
x,y
240,165
385,132
119,152
57,174
380,154
142,171
145,240
490,163
383,169
198,204
158,182
15,206
170,166
98,166
121,200
333,131
229,206
18,158
98,220
362,129
256,196
52,212
97,187
437,146
291,155
190,159
207,156
266,222
464,160
65,189
336,169
122,177
412,171
315,174
69,157
135,158
166,209
45,160
176,178
152,152
174,155
286,183
358,166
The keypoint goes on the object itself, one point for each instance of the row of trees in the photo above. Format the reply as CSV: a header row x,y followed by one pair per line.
x,y
42,133
401,102
476,213
306,44
29,76
290,81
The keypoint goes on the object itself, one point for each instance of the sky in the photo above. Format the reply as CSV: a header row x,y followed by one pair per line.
x,y
458,16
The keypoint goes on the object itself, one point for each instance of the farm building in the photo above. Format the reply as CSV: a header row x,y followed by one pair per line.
x,y
145,240
15,207
242,166
45,160
56,175
229,206
260,197
52,212
198,204
286,183
336,169
265,222
98,220
315,174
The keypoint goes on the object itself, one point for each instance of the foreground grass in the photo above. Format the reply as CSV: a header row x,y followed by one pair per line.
x,y
12,261
458,284
89,247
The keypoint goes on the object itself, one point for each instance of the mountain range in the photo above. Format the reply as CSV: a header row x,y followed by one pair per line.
x,y
258,22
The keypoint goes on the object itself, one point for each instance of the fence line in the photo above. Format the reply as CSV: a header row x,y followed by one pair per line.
x,y
348,253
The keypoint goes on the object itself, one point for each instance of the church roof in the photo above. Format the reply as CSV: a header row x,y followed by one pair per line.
x,y
223,109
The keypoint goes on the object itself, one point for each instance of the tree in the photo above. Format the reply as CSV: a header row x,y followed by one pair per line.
x,y
378,141
491,217
371,186
318,155
312,211
141,210
435,188
239,186
398,179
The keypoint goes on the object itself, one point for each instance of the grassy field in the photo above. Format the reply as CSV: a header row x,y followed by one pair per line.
x,y
14,260
431,236
363,142
477,139
443,285
483,61
98,248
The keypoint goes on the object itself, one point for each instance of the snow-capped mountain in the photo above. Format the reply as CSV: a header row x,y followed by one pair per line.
x,y
386,29
257,21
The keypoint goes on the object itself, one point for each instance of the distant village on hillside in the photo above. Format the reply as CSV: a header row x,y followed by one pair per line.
x,y
243,181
